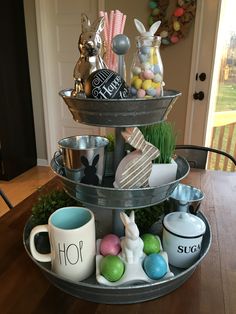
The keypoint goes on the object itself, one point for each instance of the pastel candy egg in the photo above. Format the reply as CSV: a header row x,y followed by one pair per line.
x,y
137,83
145,50
159,91
143,58
148,74
157,78
156,84
146,66
141,76
141,93
151,92
133,91
156,68
136,70
154,58
135,77
146,84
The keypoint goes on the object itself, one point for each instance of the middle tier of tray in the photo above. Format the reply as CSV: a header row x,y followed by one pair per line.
x,y
106,196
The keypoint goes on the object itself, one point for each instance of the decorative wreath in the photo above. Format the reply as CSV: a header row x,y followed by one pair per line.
x,y
177,26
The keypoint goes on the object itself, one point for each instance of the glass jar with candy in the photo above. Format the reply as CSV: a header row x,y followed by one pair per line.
x,y
147,68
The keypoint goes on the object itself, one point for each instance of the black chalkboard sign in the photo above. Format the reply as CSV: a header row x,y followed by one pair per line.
x,y
106,84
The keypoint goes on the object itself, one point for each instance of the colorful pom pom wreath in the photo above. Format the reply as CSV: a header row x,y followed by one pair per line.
x,y
177,25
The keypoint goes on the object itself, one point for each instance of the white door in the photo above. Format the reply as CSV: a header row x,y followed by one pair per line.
x,y
59,27
204,56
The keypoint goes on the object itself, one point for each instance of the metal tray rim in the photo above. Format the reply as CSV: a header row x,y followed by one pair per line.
x,y
119,189
175,93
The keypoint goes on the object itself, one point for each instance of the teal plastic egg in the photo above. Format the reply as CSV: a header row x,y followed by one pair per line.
x,y
155,266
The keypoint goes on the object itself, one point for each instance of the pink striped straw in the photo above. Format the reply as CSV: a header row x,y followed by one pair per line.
x,y
123,24
111,22
116,30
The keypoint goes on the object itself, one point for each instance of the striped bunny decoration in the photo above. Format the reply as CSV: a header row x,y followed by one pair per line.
x,y
134,169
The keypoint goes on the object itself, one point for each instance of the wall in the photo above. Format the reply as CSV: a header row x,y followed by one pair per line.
x,y
36,89
176,59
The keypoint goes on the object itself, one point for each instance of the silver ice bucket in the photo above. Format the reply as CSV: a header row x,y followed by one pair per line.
x,y
83,157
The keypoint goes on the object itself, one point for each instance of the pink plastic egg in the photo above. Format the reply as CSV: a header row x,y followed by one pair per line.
x,y
110,245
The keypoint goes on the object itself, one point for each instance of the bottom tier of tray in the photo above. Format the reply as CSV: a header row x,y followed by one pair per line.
x,y
106,196
90,290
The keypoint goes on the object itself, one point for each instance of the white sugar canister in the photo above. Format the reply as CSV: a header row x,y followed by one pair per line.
x,y
182,238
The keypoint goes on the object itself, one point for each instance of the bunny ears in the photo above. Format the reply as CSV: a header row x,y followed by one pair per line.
x,y
142,30
127,219
97,26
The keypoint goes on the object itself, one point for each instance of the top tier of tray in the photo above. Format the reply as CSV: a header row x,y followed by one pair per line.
x,y
122,112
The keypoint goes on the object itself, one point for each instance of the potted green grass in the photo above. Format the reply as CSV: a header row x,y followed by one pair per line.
x,y
163,137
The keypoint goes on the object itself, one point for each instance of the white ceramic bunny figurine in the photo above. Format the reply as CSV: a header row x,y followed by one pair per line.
x,y
90,47
131,244
142,30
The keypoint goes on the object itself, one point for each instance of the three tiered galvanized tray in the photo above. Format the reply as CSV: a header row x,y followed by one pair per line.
x,y
118,114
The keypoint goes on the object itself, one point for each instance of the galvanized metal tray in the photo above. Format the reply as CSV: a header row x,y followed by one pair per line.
x,y
90,290
108,197
122,112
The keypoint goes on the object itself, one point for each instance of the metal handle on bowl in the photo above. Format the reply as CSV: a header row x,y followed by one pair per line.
x,y
61,169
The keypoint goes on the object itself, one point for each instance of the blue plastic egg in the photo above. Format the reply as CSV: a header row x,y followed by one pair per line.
x,y
155,266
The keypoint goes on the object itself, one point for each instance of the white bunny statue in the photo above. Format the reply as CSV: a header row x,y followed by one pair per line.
x,y
142,30
131,244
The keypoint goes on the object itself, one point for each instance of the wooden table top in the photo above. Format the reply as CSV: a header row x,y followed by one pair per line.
x,y
211,288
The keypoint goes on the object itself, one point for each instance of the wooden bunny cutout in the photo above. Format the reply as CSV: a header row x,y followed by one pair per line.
x,y
131,244
134,169
90,47
142,30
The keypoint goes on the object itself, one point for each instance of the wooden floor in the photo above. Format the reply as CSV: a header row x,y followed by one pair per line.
x,y
22,186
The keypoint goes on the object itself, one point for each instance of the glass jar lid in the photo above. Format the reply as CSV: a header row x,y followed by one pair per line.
x,y
184,224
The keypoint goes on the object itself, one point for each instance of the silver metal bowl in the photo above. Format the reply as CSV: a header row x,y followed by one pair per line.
x,y
122,112
106,196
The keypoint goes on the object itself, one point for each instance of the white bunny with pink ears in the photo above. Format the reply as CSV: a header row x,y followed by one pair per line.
x,y
142,30
131,244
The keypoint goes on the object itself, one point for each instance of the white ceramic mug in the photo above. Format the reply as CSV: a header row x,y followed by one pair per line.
x,y
72,241
182,238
